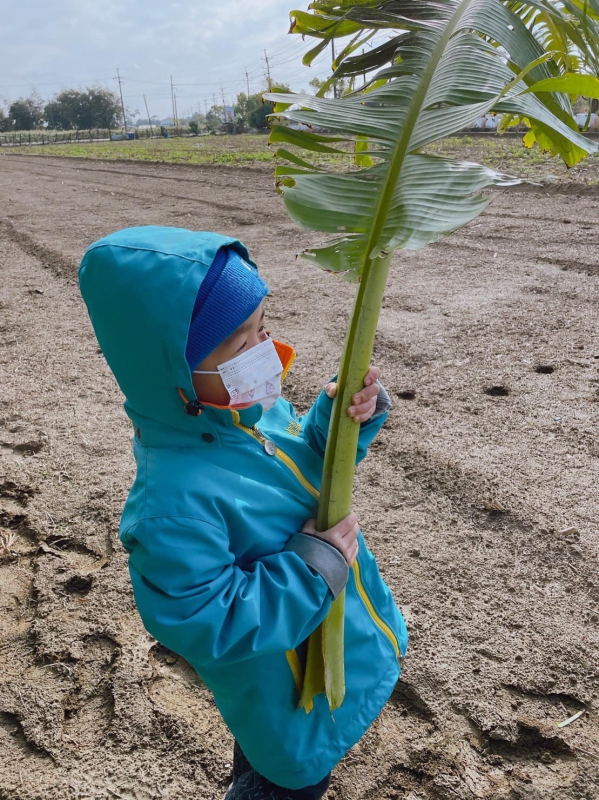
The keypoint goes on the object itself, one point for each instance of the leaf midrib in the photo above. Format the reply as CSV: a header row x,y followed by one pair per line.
x,y
403,142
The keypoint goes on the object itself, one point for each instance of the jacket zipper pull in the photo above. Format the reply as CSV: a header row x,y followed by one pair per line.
x,y
269,446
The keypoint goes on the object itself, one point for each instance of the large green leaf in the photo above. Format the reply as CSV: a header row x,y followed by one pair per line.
x,y
588,85
447,71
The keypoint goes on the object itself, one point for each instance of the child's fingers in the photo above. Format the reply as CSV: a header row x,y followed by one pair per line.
x,y
343,536
350,549
348,523
366,394
354,555
372,376
309,526
363,412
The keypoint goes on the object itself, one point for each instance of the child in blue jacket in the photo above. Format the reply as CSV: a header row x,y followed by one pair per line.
x,y
227,568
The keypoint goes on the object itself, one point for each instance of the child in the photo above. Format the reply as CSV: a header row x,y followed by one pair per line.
x,y
226,565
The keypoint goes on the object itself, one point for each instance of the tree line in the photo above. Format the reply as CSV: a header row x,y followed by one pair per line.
x,y
68,110
100,108
96,107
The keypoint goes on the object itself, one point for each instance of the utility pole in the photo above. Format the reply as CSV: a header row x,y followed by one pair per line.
x,y
268,71
224,105
149,118
247,80
332,62
206,107
118,77
173,102
176,112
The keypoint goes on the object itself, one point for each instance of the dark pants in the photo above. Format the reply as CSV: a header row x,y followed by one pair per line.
x,y
250,785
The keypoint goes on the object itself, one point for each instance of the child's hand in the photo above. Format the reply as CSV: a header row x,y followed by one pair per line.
x,y
343,536
365,400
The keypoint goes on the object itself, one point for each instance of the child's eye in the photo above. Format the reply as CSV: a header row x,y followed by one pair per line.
x,y
261,330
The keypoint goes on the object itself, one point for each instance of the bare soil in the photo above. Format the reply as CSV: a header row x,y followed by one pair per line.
x,y
479,497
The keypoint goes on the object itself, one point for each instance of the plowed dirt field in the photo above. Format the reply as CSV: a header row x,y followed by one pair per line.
x,y
479,498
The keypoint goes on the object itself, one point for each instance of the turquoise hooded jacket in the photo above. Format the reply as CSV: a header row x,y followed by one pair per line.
x,y
212,521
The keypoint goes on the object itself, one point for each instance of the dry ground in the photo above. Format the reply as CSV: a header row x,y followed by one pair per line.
x,y
479,498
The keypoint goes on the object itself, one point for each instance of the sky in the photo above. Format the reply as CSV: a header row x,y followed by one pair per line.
x,y
205,45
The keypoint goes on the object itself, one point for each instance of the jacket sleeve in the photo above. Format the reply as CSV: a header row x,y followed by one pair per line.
x,y
194,599
315,424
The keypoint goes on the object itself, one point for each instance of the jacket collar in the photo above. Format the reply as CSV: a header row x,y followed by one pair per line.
x,y
211,425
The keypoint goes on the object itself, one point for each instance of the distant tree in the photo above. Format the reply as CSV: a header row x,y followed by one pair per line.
x,y
5,122
258,110
130,116
94,108
215,119
26,113
342,86
241,111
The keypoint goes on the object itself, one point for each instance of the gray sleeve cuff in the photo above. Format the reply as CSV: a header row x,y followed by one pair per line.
x,y
383,402
322,557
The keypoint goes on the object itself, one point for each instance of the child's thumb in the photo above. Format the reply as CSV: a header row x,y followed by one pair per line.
x,y
331,390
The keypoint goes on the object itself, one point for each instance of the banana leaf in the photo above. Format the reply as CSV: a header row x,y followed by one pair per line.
x,y
445,64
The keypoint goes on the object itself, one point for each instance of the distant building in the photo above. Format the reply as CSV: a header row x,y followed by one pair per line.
x,y
581,121
488,122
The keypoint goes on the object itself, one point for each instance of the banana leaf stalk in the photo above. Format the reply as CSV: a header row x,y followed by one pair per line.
x,y
447,63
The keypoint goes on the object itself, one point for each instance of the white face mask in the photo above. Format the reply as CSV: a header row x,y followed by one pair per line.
x,y
252,377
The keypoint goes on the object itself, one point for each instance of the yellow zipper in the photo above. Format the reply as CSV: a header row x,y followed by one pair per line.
x,y
291,654
368,603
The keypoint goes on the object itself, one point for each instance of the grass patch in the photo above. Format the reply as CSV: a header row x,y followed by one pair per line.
x,y
510,156
241,149
506,155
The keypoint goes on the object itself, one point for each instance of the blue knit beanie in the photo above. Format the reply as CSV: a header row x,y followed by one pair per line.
x,y
231,291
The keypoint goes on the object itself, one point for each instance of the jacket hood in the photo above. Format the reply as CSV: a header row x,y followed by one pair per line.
x,y
140,286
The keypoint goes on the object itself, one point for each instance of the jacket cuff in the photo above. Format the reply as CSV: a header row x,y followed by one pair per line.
x,y
321,557
383,402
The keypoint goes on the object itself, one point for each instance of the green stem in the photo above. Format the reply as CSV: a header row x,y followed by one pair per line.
x,y
342,440
325,665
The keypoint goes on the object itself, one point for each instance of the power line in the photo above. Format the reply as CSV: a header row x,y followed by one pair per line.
x,y
295,44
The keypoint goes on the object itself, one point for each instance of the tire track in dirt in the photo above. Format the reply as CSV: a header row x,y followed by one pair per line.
x,y
110,188
50,259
